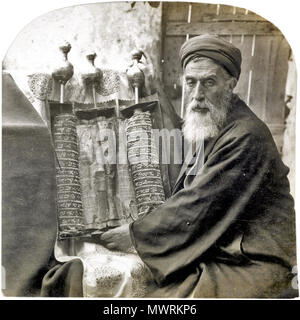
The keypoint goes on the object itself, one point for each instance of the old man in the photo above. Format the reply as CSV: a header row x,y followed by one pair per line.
x,y
228,230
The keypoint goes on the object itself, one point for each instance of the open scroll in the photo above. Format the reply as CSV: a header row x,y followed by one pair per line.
x,y
108,170
99,188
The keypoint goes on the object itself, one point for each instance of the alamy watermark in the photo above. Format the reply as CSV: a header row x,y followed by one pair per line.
x,y
158,146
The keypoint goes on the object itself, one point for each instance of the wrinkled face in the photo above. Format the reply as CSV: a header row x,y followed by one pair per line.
x,y
208,90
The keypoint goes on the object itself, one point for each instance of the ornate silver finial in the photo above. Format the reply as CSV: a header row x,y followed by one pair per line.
x,y
91,74
135,75
64,70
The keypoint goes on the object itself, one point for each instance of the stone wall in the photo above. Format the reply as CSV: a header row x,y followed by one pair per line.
x,y
111,29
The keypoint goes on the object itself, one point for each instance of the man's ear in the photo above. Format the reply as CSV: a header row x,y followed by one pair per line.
x,y
232,83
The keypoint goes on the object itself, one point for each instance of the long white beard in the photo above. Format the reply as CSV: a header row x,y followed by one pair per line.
x,y
201,126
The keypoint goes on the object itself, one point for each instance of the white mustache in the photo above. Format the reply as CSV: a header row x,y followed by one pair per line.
x,y
197,106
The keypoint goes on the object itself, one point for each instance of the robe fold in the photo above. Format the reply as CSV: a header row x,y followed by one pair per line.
x,y
29,217
229,230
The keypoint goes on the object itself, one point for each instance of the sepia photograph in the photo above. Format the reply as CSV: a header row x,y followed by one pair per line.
x,y
149,152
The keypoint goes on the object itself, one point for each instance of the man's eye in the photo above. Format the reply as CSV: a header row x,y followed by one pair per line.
x,y
190,82
209,82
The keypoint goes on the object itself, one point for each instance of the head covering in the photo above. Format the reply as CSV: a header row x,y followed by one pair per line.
x,y
215,48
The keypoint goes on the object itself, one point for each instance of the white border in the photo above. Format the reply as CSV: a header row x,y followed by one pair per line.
x,y
16,14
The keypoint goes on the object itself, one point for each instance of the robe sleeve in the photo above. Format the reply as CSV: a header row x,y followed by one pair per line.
x,y
190,222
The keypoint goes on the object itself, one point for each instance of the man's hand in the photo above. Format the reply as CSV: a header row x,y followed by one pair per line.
x,y
117,238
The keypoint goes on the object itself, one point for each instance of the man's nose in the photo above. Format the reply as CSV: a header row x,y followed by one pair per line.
x,y
198,93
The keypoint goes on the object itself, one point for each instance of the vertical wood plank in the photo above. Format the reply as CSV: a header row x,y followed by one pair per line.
x,y
176,11
172,70
202,9
225,9
172,66
240,10
260,66
251,13
243,83
276,80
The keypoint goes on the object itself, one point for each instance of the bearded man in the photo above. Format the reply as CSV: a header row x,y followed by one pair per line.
x,y
228,230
